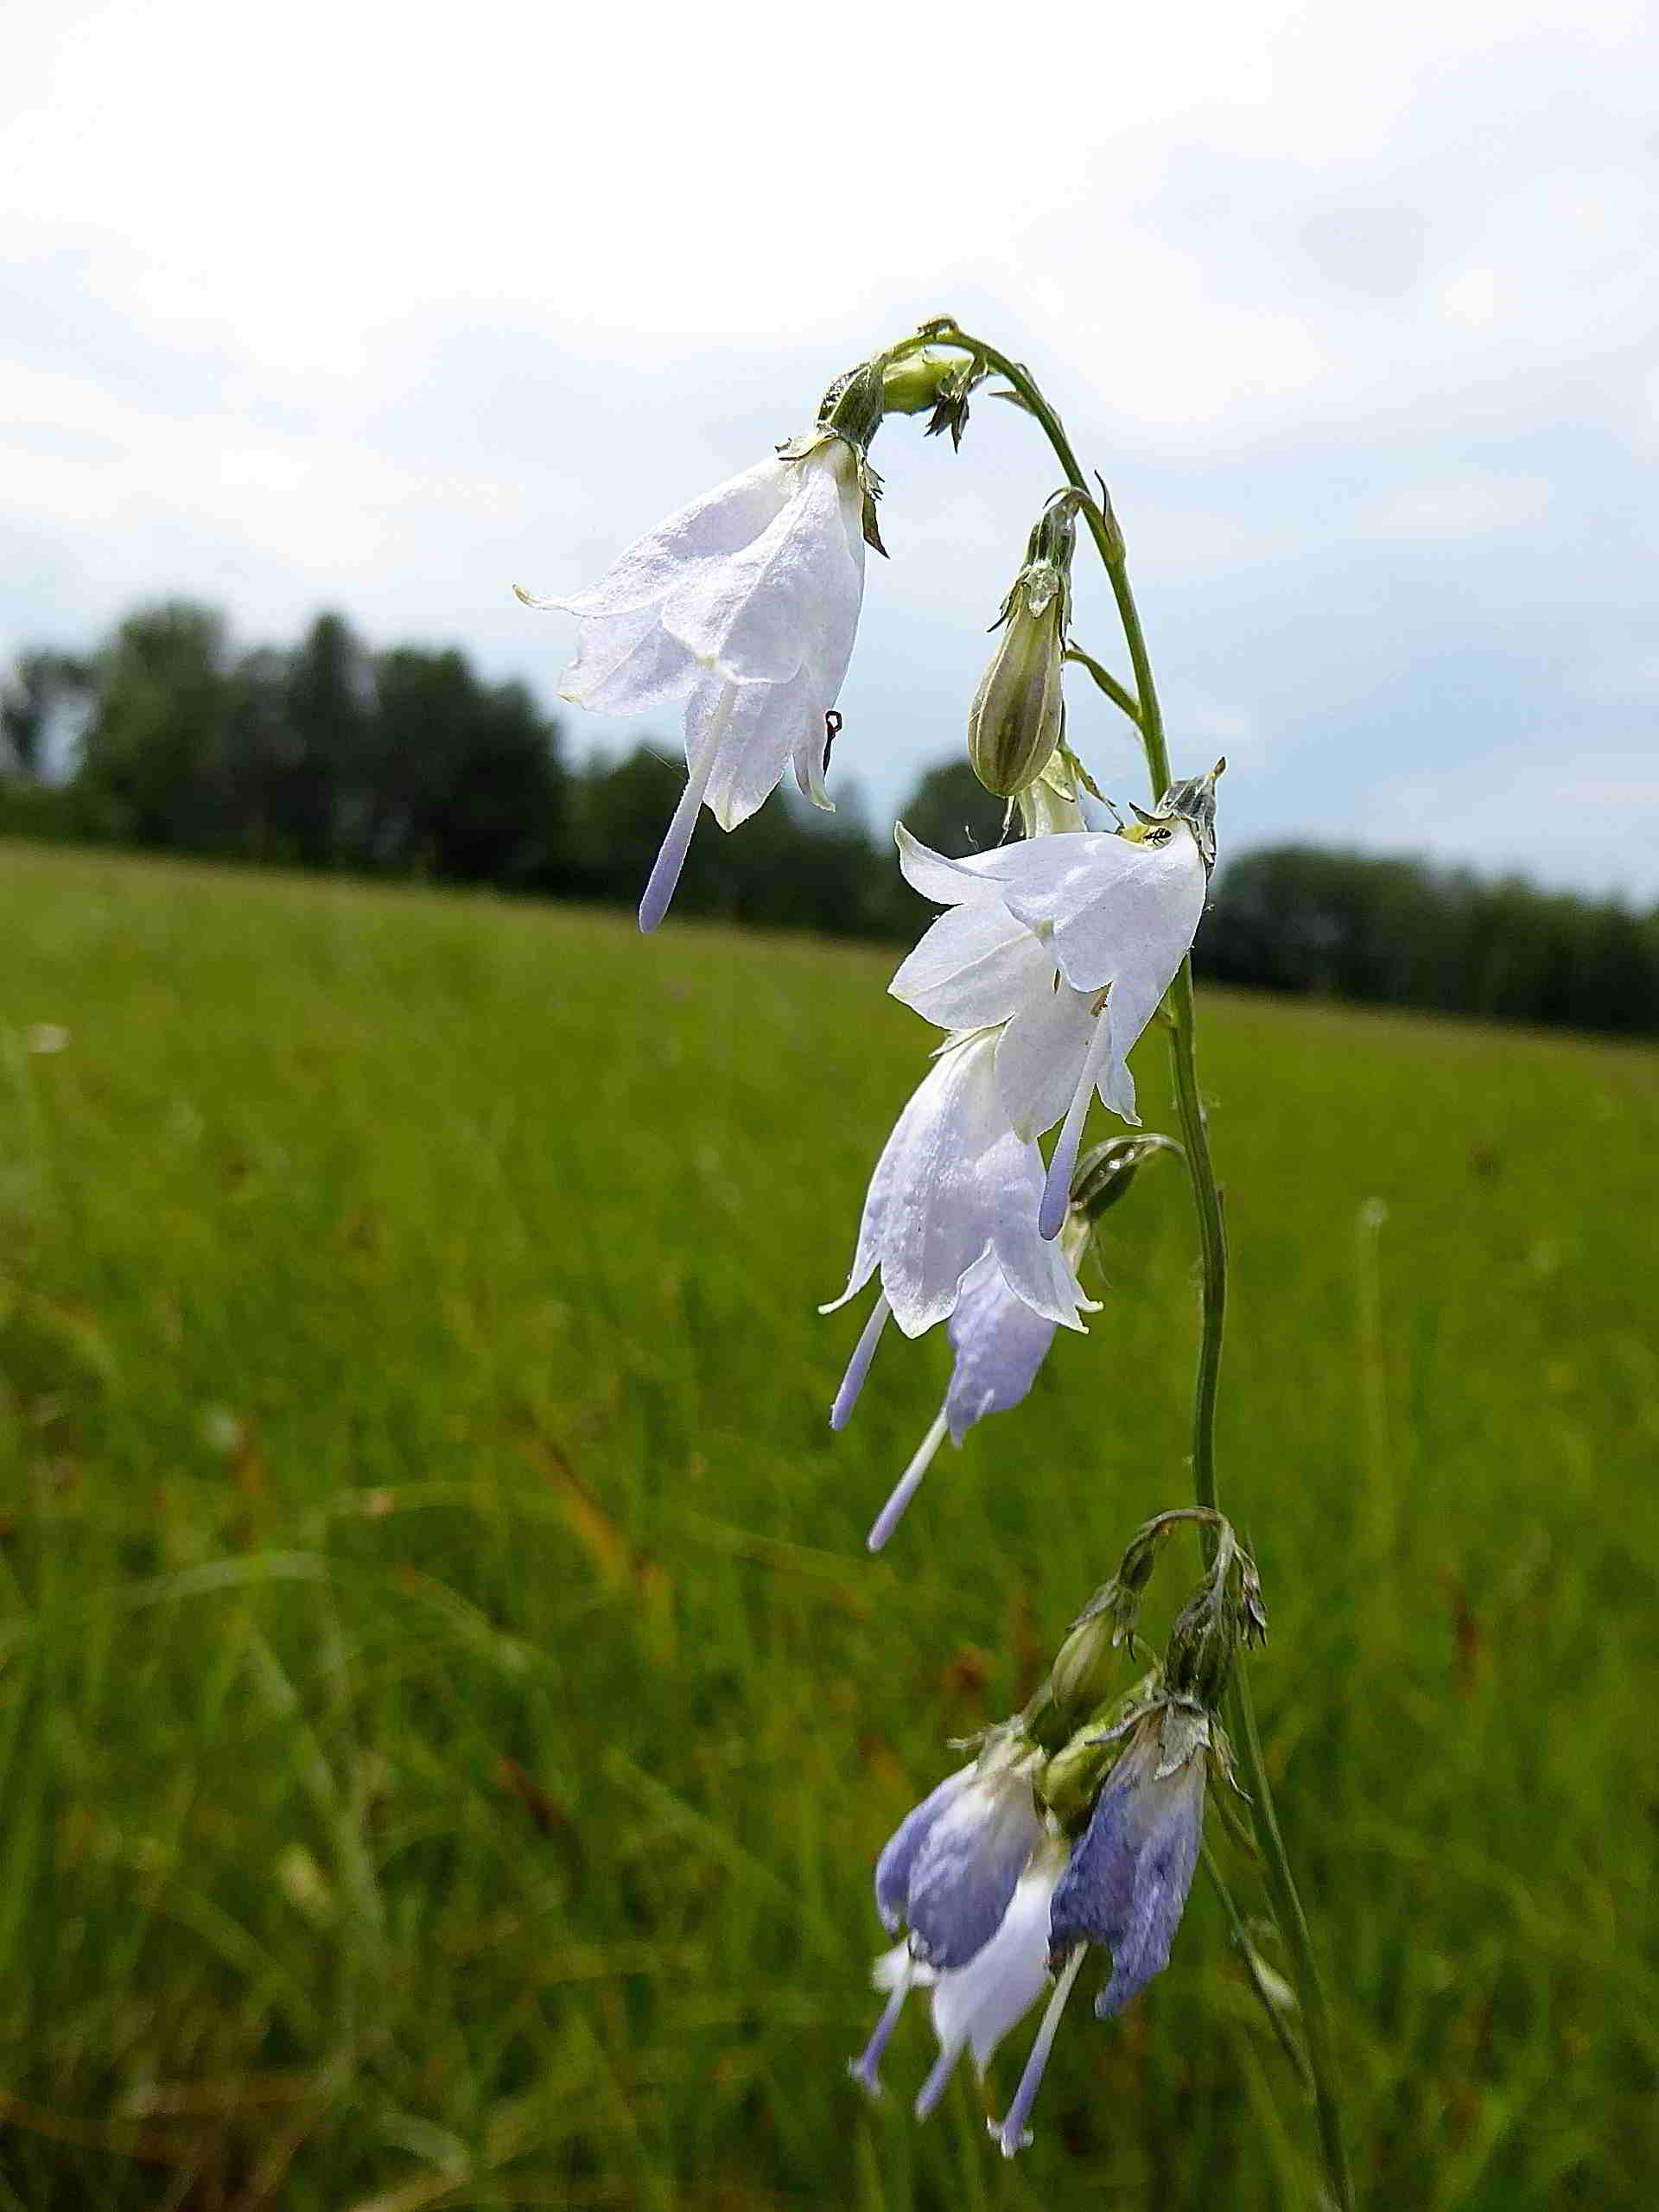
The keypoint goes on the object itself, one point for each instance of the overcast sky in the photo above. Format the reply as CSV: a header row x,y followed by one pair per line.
x,y
1356,309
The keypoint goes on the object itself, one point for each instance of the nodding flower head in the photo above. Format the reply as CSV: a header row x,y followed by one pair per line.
x,y
954,1183
1060,948
745,603
971,1872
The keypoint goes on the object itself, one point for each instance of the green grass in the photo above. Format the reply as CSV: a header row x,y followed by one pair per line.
x,y
446,1714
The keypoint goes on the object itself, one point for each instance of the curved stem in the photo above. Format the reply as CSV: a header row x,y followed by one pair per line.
x,y
1212,1241
1125,700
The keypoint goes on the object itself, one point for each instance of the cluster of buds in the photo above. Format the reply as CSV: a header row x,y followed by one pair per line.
x,y
1078,1825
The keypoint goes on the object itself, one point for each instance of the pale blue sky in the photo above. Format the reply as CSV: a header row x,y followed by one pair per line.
x,y
1358,317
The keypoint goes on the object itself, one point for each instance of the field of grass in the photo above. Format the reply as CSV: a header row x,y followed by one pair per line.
x,y
446,1714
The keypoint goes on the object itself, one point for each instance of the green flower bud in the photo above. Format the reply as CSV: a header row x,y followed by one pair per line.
x,y
1019,712
1085,1665
1070,1781
1017,721
918,382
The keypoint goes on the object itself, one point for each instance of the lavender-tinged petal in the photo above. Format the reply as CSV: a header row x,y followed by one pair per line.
x,y
1012,2134
980,2003
892,1868
1163,1877
907,1485
1000,1345
1035,1270
949,1179
1128,1883
968,1867
859,1365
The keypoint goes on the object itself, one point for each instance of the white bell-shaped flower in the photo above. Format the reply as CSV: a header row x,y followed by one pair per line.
x,y
953,1183
1062,946
746,602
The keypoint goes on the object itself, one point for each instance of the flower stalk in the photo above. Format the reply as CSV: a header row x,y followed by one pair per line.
x,y
1143,706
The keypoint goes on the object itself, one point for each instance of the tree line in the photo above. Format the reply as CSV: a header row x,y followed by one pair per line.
x,y
406,762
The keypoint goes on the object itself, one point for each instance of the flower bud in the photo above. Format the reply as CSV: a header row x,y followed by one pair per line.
x,y
1085,1666
1104,1175
1018,711
1070,1781
1018,717
918,383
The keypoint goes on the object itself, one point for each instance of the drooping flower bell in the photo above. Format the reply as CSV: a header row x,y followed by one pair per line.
x,y
1125,1885
972,1870
1061,947
999,1343
744,602
953,1185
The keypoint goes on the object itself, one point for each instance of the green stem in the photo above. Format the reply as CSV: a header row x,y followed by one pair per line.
x,y
1212,1241
1247,1951
1108,683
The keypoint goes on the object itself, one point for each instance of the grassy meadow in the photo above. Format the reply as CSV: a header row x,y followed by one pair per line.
x,y
447,1715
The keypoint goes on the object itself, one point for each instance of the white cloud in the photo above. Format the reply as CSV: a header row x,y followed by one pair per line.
x,y
390,311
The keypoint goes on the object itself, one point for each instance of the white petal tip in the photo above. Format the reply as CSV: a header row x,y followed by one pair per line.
x,y
868,2080
1008,2141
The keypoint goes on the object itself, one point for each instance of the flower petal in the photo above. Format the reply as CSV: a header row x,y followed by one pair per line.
x,y
1000,1345
1116,908
710,528
1128,1883
790,598
967,1868
892,1868
626,664
947,882
760,736
980,2003
975,967
1040,1057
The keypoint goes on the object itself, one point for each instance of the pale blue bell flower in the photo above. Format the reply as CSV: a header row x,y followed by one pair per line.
x,y
1126,1887
1000,1343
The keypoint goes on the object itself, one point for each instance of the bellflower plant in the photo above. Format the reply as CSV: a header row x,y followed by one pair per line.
x,y
1077,1830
